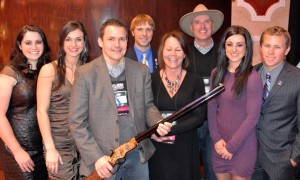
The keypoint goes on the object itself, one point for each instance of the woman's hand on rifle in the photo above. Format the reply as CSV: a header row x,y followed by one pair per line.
x,y
164,128
157,139
103,167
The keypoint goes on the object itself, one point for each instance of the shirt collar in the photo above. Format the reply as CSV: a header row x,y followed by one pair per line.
x,y
274,73
204,50
116,70
140,53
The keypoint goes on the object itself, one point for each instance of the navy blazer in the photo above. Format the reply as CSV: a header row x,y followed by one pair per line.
x,y
130,53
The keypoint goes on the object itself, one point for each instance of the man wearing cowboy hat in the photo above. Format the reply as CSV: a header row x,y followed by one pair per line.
x,y
202,24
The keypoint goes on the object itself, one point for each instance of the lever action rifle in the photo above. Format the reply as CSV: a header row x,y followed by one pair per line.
x,y
120,152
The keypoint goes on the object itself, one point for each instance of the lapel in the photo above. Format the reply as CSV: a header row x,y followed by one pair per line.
x,y
130,73
103,78
280,81
154,61
131,54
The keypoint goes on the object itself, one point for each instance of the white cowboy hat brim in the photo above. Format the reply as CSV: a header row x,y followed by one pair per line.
x,y
216,16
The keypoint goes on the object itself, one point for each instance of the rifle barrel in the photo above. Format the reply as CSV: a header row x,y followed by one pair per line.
x,y
145,134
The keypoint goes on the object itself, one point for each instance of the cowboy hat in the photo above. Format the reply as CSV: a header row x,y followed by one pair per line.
x,y
216,16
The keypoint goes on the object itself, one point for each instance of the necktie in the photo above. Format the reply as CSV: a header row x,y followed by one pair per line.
x,y
144,61
267,86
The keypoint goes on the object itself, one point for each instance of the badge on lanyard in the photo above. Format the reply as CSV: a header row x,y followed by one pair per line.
x,y
168,139
120,92
206,83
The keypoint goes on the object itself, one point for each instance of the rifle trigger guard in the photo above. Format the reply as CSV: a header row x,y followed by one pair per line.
x,y
118,165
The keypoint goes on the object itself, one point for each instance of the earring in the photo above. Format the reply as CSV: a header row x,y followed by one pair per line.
x,y
84,50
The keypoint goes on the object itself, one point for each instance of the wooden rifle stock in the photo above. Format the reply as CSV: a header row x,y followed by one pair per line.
x,y
122,150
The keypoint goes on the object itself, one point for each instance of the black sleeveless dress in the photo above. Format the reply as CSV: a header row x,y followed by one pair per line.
x,y
22,117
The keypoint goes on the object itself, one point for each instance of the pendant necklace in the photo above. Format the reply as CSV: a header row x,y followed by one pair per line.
x,y
173,86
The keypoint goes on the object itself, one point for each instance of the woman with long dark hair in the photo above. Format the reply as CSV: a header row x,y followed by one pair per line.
x,y
233,115
22,151
53,95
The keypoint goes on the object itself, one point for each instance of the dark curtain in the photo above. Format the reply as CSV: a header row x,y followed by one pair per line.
x,y
294,29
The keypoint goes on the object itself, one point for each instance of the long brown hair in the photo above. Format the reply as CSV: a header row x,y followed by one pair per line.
x,y
243,70
83,57
19,60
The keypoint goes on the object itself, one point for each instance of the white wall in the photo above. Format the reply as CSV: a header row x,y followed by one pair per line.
x,y
243,14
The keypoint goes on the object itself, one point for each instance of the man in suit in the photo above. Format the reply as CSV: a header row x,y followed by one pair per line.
x,y
201,24
142,29
278,130
111,102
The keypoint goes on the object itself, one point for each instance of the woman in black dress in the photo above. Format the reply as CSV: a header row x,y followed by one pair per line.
x,y
21,149
176,155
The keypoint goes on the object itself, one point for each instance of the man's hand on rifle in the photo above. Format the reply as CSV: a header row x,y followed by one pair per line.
x,y
103,167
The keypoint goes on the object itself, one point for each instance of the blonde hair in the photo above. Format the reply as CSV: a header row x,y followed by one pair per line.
x,y
142,19
277,31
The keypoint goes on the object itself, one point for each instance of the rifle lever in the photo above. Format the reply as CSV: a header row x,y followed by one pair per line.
x,y
118,165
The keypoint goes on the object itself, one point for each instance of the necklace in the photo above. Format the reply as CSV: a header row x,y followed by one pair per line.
x,y
173,86
69,68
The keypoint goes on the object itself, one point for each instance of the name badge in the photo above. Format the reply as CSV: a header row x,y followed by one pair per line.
x,y
206,83
120,93
168,139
